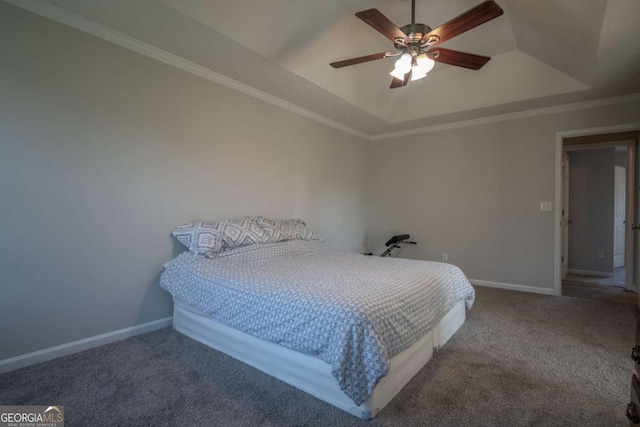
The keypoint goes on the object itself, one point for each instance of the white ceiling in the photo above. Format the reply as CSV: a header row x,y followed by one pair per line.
x,y
543,53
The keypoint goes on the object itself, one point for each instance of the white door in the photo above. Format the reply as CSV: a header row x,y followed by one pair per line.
x,y
565,214
619,209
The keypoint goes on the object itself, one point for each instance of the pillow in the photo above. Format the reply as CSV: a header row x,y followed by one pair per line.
x,y
236,232
199,237
279,230
212,237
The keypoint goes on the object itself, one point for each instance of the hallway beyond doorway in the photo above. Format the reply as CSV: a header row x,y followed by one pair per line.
x,y
618,278
610,289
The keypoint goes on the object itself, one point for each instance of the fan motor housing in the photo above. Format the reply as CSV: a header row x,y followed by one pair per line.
x,y
415,32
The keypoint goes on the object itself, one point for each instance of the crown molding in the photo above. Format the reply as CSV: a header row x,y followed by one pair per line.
x,y
83,24
511,116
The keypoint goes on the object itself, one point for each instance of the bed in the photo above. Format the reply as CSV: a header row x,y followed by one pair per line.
x,y
349,329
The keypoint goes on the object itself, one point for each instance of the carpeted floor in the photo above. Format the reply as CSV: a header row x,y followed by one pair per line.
x,y
612,289
599,292
618,278
520,359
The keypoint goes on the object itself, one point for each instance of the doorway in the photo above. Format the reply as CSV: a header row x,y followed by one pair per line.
x,y
594,217
596,240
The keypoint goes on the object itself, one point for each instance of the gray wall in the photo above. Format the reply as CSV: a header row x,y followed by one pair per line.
x,y
591,192
474,192
104,151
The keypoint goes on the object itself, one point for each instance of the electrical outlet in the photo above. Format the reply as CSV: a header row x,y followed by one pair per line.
x,y
600,254
445,257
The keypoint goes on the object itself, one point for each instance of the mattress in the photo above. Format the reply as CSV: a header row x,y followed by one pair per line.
x,y
353,312
309,373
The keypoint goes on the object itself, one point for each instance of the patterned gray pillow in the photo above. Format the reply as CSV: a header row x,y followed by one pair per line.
x,y
236,232
199,237
213,237
279,230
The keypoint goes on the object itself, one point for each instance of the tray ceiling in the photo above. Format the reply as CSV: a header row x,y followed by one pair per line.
x,y
543,53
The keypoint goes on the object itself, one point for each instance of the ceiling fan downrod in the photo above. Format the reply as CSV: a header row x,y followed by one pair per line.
x,y
413,12
415,32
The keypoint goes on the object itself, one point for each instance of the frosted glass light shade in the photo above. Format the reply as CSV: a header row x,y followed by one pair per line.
x,y
403,66
425,64
404,63
417,73
398,74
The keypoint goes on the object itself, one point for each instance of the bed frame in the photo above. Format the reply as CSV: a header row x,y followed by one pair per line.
x,y
309,373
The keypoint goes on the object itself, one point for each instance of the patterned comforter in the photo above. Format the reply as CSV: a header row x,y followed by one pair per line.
x,y
354,312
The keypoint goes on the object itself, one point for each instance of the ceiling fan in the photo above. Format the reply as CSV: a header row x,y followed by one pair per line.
x,y
413,42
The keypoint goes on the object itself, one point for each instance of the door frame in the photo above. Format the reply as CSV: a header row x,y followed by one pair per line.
x,y
557,230
624,180
564,215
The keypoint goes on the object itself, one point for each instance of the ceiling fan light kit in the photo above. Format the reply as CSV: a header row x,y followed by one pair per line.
x,y
403,66
413,42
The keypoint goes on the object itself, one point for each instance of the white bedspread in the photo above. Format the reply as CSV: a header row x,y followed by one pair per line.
x,y
355,312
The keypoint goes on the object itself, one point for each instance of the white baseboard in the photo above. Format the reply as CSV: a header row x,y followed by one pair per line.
x,y
23,360
512,287
589,273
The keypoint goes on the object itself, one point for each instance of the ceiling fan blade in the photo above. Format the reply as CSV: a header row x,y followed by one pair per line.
x,y
377,20
459,59
359,60
473,17
400,83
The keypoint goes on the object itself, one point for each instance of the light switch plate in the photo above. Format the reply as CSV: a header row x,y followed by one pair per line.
x,y
546,206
